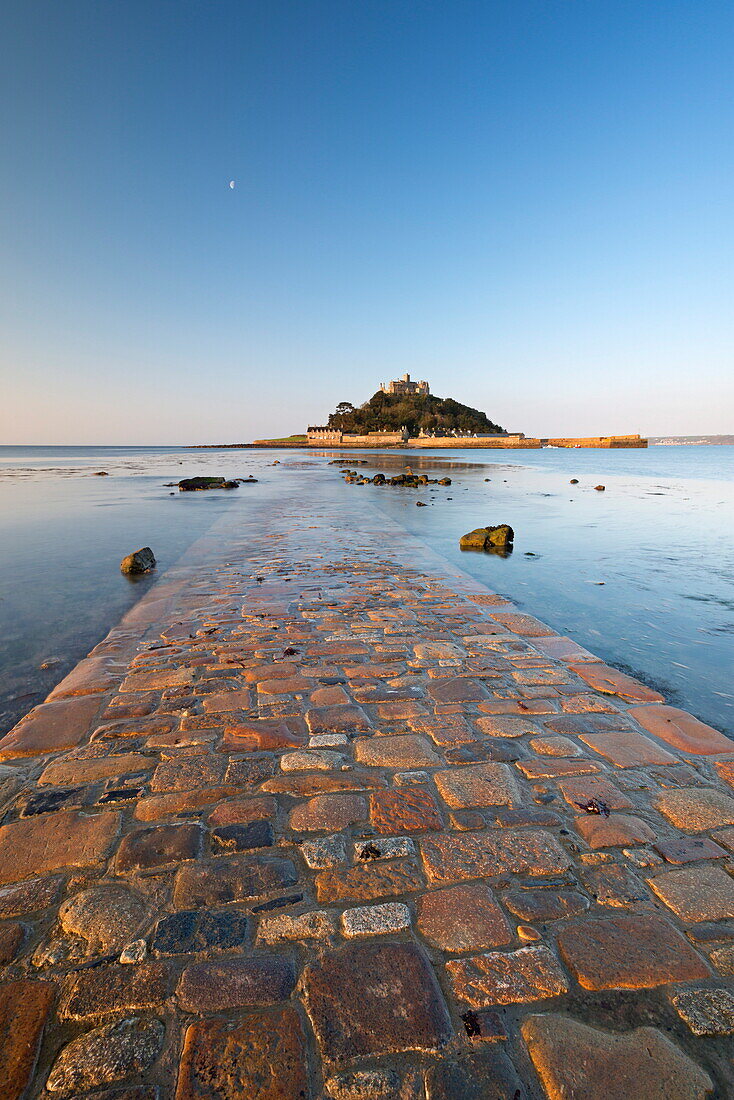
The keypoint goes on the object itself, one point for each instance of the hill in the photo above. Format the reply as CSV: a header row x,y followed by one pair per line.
x,y
390,412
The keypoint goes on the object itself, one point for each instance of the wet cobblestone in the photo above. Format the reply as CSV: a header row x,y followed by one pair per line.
x,y
359,829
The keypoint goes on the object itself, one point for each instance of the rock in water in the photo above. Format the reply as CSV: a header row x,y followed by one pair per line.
x,y
600,488
484,538
192,484
142,561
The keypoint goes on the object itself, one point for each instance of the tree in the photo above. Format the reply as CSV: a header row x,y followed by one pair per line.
x,y
389,412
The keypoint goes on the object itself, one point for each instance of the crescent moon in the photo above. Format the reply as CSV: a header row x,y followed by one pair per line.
x,y
231,184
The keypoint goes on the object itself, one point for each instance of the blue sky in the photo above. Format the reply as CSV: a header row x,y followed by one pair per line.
x,y
529,203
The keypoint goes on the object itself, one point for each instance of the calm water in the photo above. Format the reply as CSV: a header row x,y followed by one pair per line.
x,y
643,573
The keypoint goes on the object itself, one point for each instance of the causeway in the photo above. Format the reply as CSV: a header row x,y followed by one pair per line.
x,y
322,817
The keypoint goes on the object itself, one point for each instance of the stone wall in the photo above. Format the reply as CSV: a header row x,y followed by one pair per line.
x,y
605,441
505,442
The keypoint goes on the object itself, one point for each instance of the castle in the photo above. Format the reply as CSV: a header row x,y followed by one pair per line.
x,y
404,386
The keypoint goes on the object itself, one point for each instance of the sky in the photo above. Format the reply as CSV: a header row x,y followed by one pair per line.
x,y
529,203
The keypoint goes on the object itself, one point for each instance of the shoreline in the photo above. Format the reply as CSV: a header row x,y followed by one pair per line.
x,y
228,747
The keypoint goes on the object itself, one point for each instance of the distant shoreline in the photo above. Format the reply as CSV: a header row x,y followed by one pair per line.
x,y
691,440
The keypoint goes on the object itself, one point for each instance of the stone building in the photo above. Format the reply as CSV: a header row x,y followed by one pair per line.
x,y
404,386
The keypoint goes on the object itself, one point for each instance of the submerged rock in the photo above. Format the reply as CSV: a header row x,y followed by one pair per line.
x,y
194,484
141,561
486,538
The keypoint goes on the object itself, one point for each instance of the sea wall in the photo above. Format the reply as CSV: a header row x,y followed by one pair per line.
x,y
604,441
382,440
484,442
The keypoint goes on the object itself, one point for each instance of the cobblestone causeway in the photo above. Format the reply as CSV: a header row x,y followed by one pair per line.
x,y
322,817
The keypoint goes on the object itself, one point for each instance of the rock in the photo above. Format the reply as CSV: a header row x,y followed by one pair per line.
x,y
192,484
376,920
506,977
575,1060
101,473
24,1006
107,917
246,879
135,952
191,930
364,1084
327,851
262,1054
696,893
628,952
141,561
481,1076
706,1011
214,986
574,481
462,918
48,842
11,937
399,1006
112,989
484,538
285,927
600,488
106,1055
445,481
420,504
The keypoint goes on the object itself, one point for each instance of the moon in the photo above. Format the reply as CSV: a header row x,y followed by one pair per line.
x,y
231,184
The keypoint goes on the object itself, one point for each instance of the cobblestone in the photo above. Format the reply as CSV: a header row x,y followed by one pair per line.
x,y
628,952
507,977
696,893
376,920
399,1008
574,1060
696,810
261,1055
706,1011
413,810
323,816
462,918
236,983
106,1055
478,785
46,843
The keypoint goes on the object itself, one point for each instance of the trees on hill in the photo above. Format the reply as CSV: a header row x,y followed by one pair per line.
x,y
390,412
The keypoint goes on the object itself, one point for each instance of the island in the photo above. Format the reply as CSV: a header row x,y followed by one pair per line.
x,y
404,413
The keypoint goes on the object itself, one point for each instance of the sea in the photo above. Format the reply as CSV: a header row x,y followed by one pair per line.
x,y
641,573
